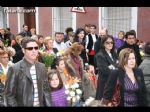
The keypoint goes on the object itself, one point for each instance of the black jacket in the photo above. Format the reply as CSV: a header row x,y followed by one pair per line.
x,y
135,48
103,61
19,54
120,74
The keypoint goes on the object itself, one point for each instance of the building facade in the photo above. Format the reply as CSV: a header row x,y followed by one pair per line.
x,y
48,20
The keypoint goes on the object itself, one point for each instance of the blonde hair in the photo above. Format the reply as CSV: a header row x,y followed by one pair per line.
x,y
46,39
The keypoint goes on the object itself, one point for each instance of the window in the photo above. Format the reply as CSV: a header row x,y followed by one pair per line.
x,y
116,19
61,19
3,20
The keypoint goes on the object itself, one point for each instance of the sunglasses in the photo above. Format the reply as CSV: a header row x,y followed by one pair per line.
x,y
31,48
109,42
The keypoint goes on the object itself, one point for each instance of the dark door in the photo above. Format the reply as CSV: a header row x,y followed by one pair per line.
x,y
29,17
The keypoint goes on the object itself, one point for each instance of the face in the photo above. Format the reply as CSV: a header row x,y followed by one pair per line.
x,y
102,33
54,82
4,59
71,38
31,54
61,65
87,28
120,35
2,31
131,61
41,40
58,38
92,69
81,34
50,44
92,30
108,44
26,28
131,39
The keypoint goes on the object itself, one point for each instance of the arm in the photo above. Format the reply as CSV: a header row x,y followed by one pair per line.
x,y
46,89
102,65
143,95
10,88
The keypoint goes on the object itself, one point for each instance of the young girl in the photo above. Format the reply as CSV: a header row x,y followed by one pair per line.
x,y
58,96
66,77
89,82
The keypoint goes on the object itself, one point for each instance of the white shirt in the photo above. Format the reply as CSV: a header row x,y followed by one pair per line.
x,y
61,46
94,40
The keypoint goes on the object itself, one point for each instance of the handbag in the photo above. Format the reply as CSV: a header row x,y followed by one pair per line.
x,y
116,96
115,101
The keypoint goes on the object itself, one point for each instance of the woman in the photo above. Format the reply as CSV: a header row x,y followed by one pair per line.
x,y
145,66
5,62
80,37
131,81
58,96
106,60
48,42
19,54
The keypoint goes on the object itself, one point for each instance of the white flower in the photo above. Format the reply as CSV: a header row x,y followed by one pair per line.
x,y
68,98
76,85
67,86
67,91
72,86
78,97
72,93
78,91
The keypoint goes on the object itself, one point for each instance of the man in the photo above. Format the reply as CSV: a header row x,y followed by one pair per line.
x,y
130,43
90,42
97,45
58,42
25,32
26,81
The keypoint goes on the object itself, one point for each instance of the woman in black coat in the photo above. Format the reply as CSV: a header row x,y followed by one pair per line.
x,y
131,81
80,37
106,60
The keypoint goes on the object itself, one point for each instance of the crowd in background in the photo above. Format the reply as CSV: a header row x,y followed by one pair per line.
x,y
73,67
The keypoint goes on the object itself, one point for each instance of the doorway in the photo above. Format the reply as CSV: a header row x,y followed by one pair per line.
x,y
29,18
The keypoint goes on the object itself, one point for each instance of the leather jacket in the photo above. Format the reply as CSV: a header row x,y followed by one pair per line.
x,y
19,86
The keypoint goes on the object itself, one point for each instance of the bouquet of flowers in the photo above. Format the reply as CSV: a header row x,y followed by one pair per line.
x,y
73,92
48,58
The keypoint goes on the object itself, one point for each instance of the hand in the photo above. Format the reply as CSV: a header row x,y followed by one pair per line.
x,y
87,50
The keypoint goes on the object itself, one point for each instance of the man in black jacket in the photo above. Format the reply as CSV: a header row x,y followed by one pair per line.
x,y
130,43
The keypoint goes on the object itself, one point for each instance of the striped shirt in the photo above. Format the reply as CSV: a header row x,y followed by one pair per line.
x,y
34,79
130,96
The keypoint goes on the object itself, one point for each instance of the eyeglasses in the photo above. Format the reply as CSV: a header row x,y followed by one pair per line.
x,y
109,42
31,48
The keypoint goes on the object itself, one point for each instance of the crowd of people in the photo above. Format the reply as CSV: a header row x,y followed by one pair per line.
x,y
69,69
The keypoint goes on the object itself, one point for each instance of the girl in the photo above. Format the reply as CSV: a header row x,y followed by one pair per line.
x,y
58,96
64,74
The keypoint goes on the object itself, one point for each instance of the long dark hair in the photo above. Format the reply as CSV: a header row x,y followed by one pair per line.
x,y
51,73
104,40
76,38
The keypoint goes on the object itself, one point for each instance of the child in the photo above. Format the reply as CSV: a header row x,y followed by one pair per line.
x,y
89,82
66,77
58,96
